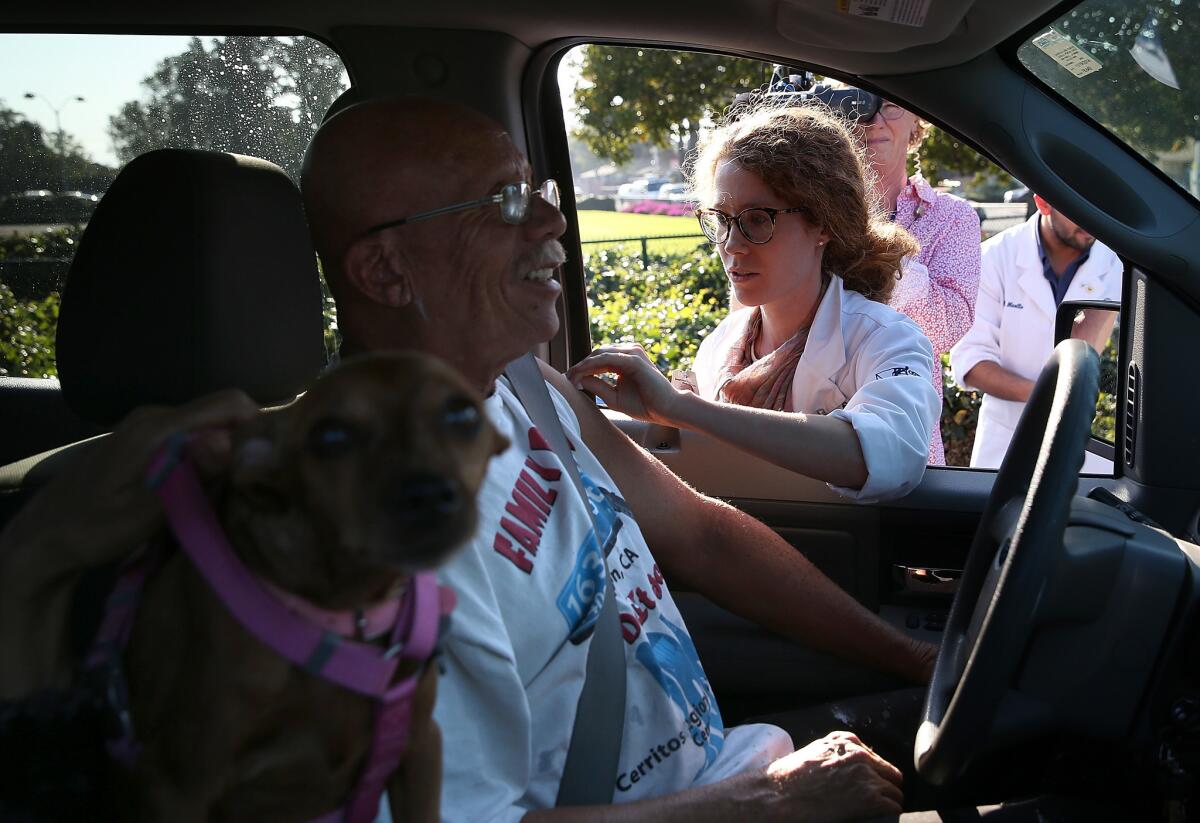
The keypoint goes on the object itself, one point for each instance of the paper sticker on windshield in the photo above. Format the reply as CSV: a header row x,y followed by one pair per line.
x,y
904,12
1061,50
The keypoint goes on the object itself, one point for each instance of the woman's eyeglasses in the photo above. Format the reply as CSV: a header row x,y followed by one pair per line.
x,y
757,224
514,201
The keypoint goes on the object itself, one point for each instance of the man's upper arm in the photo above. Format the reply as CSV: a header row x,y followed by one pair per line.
x,y
665,508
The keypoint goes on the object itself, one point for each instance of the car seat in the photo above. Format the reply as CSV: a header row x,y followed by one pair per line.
x,y
196,273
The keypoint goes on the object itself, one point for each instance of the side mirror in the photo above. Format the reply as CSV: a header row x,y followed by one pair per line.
x,y
1097,322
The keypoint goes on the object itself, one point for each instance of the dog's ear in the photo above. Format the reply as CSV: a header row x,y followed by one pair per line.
x,y
378,272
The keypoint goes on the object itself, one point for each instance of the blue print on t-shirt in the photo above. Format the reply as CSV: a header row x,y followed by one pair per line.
x,y
583,595
674,663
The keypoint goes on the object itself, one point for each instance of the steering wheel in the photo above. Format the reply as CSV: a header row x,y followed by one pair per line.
x,y
1019,536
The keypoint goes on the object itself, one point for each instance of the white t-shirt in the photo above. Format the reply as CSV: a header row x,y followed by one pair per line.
x,y
529,593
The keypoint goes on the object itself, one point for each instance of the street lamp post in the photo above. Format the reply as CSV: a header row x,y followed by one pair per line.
x,y
58,129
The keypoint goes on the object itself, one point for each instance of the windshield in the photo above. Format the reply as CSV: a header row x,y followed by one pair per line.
x,y
1131,66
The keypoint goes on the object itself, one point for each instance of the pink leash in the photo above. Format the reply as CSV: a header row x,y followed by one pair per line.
x,y
317,640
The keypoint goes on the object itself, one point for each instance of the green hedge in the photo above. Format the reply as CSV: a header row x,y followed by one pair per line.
x,y
668,307
27,334
31,272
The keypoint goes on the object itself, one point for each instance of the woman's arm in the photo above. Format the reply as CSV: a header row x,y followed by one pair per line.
x,y
872,449
815,445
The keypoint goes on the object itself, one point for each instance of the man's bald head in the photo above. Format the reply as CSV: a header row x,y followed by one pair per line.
x,y
383,159
468,285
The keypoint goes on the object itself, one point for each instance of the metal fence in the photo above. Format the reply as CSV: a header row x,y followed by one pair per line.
x,y
993,219
643,241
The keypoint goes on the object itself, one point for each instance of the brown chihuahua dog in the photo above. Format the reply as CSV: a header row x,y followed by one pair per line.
x,y
336,499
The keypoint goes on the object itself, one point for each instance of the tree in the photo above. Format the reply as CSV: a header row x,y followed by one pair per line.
x,y
628,95
28,160
943,155
631,95
262,96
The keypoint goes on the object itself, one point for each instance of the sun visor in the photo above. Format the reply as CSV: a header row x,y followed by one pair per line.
x,y
876,26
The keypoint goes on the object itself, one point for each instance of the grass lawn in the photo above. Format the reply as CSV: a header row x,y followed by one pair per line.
x,y
608,225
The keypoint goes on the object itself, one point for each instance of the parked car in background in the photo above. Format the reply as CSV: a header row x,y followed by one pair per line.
x,y
1021,194
27,212
675,192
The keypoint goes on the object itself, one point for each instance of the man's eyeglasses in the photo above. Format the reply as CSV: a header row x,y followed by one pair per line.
x,y
757,225
514,201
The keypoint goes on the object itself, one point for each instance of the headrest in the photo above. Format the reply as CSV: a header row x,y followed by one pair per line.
x,y
195,273
345,100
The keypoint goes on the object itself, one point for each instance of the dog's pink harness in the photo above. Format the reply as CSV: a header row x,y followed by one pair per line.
x,y
320,641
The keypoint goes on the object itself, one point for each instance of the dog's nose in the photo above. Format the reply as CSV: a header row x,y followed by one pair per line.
x,y
426,497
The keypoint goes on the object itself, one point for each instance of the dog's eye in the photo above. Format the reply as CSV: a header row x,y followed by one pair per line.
x,y
461,416
332,438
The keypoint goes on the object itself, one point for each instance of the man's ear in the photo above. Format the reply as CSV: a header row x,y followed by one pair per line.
x,y
377,272
1041,204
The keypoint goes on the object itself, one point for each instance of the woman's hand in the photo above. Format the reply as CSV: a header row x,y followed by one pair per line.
x,y
640,390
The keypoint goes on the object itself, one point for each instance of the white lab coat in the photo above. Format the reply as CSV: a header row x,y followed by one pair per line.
x,y
1014,327
866,364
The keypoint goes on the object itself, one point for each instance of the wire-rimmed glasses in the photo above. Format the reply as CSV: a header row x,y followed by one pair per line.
x,y
514,201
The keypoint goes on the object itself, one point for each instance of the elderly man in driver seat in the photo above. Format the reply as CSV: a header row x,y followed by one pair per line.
x,y
433,237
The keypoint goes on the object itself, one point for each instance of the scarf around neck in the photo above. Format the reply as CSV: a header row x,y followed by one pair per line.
x,y
764,383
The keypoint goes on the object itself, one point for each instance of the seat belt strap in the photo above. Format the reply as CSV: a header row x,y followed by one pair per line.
x,y
595,747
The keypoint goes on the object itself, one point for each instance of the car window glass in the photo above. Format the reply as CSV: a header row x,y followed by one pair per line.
x,y
1101,328
1133,68
74,108
634,118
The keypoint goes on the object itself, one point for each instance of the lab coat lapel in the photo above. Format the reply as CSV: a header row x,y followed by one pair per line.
x,y
824,357
1035,291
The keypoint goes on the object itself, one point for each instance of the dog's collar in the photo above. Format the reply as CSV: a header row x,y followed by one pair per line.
x,y
287,627
369,623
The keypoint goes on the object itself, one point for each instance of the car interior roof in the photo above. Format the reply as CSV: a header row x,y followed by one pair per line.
x,y
809,30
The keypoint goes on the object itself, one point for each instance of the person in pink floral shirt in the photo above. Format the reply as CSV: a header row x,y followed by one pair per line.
x,y
938,288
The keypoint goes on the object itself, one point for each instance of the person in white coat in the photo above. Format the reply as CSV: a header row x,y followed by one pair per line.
x,y
1027,271
816,374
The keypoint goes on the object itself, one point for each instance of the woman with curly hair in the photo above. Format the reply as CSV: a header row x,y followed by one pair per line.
x,y
816,373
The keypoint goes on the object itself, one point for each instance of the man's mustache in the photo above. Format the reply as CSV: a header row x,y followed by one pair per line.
x,y
549,255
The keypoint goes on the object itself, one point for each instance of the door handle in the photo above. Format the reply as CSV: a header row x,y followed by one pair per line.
x,y
926,579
